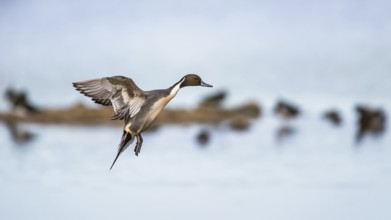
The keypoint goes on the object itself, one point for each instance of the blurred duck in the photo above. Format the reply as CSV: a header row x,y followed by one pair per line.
x,y
286,110
19,102
371,121
136,107
333,116
214,100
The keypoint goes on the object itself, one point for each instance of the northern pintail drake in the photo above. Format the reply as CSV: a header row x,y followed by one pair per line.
x,y
136,107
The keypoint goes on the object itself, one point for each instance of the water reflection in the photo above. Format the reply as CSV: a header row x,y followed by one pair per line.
x,y
19,134
284,133
203,137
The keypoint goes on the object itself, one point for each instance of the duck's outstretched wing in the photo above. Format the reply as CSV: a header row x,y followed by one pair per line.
x,y
119,91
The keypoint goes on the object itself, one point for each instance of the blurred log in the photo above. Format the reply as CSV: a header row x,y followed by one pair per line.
x,y
82,115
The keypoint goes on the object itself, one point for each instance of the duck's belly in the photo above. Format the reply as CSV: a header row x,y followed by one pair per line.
x,y
147,115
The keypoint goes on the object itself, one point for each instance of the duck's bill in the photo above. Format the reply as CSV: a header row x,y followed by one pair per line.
x,y
205,84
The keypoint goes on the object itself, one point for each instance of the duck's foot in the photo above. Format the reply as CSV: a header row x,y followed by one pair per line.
x,y
139,143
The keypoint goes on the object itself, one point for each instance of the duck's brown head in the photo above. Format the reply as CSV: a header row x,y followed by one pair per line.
x,y
193,80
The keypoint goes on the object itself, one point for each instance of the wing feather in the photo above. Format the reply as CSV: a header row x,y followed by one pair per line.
x,y
119,91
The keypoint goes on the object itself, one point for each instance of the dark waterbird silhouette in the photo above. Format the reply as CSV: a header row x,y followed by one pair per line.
x,y
215,100
286,110
333,116
19,101
370,121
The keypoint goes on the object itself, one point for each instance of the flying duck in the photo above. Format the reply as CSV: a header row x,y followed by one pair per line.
x,y
136,107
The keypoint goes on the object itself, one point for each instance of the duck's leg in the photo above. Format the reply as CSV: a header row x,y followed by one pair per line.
x,y
139,143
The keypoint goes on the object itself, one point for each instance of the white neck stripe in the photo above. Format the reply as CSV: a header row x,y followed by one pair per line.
x,y
175,90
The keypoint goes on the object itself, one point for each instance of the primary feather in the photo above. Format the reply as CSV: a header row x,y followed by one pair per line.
x,y
119,91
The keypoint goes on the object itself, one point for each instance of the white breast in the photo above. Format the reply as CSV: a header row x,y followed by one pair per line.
x,y
158,106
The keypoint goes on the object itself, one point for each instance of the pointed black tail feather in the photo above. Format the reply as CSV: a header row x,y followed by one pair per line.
x,y
126,140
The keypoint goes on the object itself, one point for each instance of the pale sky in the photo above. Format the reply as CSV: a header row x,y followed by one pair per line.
x,y
279,46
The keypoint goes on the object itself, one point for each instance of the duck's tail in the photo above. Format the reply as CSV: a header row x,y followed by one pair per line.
x,y
126,140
